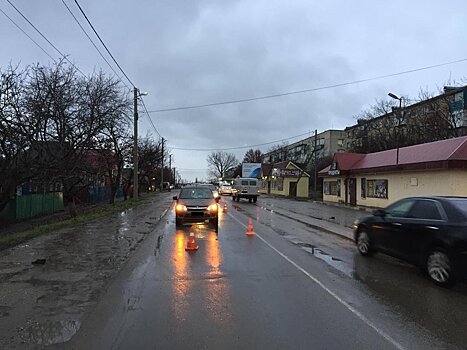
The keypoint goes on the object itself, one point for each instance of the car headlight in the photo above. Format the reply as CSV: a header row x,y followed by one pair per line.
x,y
212,207
355,223
180,208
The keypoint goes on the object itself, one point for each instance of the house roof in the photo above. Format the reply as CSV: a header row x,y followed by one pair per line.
x,y
439,151
344,161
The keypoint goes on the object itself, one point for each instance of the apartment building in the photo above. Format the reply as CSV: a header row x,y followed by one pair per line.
x,y
325,143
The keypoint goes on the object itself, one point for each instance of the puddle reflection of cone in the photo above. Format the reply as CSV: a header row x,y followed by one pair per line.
x,y
250,231
191,245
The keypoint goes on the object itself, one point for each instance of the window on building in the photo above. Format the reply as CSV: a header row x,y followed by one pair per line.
x,y
332,188
340,142
377,188
363,187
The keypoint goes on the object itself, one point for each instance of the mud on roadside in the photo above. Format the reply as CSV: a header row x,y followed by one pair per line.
x,y
48,284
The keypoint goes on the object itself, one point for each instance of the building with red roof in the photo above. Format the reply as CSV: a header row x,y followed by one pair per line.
x,y
380,178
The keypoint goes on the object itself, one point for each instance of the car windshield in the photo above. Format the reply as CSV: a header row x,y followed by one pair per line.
x,y
196,193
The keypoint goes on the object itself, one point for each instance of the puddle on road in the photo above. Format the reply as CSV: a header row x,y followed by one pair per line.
x,y
336,263
158,244
52,332
238,208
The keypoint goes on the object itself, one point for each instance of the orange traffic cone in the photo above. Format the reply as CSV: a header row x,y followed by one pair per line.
x,y
191,245
225,208
250,231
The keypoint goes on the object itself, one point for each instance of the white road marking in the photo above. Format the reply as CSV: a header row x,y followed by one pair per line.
x,y
329,291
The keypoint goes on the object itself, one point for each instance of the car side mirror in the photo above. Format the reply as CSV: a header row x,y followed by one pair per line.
x,y
379,212
175,198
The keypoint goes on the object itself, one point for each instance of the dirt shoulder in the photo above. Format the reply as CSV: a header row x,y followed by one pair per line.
x,y
48,284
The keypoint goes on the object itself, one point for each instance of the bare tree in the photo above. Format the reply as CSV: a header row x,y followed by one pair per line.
x,y
386,126
150,161
253,156
15,160
220,162
380,127
71,112
115,149
279,152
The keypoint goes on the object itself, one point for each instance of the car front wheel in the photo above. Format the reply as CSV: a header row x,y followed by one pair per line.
x,y
363,242
439,268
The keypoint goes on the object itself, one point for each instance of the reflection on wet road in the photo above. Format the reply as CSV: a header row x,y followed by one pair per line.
x,y
401,287
237,292
290,286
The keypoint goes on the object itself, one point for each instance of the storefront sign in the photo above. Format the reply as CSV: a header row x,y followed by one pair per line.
x,y
334,172
288,172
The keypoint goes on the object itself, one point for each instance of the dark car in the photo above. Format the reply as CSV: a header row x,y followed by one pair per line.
x,y
430,232
196,204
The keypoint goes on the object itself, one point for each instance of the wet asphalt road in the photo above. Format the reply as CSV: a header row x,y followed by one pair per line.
x,y
290,286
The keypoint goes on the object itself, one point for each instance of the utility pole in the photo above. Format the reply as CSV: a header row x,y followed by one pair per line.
x,y
170,168
162,166
135,143
316,162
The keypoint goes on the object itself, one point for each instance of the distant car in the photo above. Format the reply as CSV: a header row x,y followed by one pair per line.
x,y
166,186
196,204
225,189
430,232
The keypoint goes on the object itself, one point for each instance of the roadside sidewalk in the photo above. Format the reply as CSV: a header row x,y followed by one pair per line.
x,y
48,284
332,218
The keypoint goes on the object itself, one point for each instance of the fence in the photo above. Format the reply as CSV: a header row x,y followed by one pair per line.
x,y
28,206
38,204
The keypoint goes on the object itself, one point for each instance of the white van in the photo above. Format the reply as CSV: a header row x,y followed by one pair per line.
x,y
245,187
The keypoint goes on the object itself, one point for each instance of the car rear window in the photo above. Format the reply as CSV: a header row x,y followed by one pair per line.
x,y
460,204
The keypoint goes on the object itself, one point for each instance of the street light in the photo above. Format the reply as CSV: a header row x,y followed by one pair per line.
x,y
394,96
136,94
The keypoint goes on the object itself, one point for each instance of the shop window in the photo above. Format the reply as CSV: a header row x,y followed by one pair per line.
x,y
377,188
332,188
363,187
326,187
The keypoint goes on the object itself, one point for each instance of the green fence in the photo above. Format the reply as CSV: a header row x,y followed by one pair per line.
x,y
38,204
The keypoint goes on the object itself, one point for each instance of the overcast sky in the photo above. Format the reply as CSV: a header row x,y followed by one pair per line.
x,y
192,52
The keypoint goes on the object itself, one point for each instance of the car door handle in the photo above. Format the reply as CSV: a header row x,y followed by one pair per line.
x,y
397,224
432,227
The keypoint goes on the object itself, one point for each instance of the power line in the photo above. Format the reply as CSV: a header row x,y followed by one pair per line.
x,y
92,42
306,90
239,147
149,117
115,61
102,42
43,36
35,42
